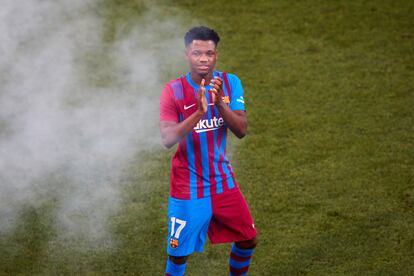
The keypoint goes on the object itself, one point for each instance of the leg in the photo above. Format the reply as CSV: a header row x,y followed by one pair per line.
x,y
178,260
240,256
176,266
232,221
187,228
249,244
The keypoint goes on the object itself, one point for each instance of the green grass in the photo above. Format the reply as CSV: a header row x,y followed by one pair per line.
x,y
327,166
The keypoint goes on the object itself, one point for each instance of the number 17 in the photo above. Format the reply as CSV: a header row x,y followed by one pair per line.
x,y
181,223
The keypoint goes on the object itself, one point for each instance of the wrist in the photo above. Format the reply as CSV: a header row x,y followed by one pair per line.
x,y
199,113
220,104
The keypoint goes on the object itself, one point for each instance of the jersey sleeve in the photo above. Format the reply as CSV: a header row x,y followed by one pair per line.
x,y
168,109
237,93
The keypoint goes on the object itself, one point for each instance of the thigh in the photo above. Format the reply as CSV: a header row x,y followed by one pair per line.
x,y
188,222
231,219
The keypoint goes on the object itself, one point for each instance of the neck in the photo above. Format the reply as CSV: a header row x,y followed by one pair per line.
x,y
196,78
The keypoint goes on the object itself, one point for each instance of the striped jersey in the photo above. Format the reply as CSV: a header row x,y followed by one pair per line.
x,y
200,167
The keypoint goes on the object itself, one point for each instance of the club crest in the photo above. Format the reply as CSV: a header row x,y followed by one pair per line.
x,y
173,243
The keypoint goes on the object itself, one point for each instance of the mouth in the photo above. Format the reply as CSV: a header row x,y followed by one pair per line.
x,y
203,68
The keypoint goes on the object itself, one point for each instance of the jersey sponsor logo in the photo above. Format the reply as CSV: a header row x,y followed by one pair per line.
x,y
188,106
208,125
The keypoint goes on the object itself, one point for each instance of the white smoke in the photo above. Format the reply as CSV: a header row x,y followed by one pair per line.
x,y
74,110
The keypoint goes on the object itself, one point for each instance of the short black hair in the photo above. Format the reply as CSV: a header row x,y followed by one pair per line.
x,y
201,33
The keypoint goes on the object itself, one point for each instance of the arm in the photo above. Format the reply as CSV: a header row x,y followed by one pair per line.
x,y
236,120
173,132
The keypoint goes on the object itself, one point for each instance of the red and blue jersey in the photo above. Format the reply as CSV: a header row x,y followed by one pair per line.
x,y
200,167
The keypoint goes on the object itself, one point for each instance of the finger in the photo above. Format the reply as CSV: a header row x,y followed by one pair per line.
x,y
218,80
203,91
202,82
216,85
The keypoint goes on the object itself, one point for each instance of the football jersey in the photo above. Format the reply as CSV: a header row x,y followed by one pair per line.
x,y
200,167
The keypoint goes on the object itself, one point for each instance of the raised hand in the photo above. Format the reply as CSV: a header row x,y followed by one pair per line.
x,y
217,85
201,98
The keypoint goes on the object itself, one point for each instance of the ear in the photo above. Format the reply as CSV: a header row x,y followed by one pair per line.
x,y
186,53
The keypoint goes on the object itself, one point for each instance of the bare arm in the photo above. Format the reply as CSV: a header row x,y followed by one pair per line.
x,y
173,132
236,120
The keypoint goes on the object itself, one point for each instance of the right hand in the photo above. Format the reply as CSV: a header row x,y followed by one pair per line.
x,y
201,98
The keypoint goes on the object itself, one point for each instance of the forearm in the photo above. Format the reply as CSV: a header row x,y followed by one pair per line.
x,y
171,133
236,121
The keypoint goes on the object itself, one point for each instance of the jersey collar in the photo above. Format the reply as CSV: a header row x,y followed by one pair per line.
x,y
196,86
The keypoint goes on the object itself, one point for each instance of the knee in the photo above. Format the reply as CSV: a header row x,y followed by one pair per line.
x,y
253,242
249,244
178,260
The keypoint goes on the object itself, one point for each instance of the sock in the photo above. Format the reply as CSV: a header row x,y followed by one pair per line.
x,y
173,269
239,261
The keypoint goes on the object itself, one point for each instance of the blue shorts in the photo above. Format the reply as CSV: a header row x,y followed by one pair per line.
x,y
188,225
225,217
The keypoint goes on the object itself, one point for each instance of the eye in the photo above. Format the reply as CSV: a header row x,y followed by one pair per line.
x,y
196,53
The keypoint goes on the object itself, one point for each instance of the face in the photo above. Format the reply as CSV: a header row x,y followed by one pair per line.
x,y
201,56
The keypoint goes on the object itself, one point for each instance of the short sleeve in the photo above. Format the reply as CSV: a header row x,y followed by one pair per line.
x,y
237,93
168,110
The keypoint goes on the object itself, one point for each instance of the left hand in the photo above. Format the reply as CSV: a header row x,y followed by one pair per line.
x,y
217,85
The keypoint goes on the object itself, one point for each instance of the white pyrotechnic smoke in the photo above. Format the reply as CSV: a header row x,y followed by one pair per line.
x,y
62,134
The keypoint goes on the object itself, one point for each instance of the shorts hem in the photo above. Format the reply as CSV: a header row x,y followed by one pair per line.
x,y
218,241
186,254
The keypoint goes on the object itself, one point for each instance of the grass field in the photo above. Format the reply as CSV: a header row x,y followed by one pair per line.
x,y
328,163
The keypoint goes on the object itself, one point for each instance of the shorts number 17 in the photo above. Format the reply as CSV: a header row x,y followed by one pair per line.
x,y
181,224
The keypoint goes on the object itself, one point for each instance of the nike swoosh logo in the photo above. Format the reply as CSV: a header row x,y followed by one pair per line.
x,y
187,107
204,130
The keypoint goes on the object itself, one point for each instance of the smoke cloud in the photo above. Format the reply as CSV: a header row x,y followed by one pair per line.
x,y
74,110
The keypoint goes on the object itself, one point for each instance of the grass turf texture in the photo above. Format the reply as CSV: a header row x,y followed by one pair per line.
x,y
327,166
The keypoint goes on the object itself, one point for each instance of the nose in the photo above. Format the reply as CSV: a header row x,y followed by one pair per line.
x,y
203,58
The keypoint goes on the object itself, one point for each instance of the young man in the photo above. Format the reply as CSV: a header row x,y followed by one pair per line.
x,y
195,111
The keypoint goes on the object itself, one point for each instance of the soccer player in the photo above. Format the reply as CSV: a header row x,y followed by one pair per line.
x,y
196,110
